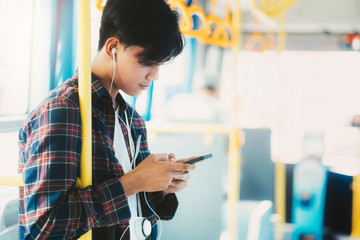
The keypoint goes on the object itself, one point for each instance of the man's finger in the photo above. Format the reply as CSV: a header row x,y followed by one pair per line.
x,y
161,157
177,175
186,159
176,183
172,157
181,176
182,167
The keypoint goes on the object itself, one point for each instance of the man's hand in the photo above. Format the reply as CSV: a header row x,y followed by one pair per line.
x,y
180,182
155,173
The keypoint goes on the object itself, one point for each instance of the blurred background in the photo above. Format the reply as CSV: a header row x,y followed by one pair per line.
x,y
269,87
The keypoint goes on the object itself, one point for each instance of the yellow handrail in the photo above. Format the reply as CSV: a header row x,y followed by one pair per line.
x,y
99,5
84,48
153,127
273,9
355,232
204,29
223,32
237,30
14,180
212,29
280,186
234,180
280,174
186,22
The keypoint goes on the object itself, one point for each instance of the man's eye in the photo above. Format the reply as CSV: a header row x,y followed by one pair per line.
x,y
146,64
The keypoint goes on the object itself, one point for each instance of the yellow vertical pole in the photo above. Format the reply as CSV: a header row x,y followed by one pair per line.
x,y
280,186
84,48
234,143
272,5
234,180
264,6
236,32
281,33
355,231
280,171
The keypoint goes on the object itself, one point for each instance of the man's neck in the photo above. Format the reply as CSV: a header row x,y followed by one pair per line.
x,y
103,69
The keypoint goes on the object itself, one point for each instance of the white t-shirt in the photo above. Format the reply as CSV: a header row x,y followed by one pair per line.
x,y
122,155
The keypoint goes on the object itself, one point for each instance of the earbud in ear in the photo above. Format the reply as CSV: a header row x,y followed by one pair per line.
x,y
113,50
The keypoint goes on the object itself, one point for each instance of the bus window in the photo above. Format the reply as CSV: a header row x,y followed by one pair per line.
x,y
15,31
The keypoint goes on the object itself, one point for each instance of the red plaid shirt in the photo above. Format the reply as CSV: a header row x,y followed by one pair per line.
x,y
50,148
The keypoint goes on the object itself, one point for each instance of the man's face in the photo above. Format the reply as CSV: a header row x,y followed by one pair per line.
x,y
131,76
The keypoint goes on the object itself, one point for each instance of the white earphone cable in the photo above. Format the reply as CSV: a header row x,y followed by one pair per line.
x,y
112,80
160,223
124,231
136,152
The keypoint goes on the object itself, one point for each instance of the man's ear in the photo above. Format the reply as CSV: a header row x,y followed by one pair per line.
x,y
111,43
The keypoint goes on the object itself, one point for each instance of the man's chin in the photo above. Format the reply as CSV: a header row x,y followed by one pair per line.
x,y
134,93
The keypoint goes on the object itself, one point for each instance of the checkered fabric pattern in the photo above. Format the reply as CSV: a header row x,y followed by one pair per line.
x,y
49,157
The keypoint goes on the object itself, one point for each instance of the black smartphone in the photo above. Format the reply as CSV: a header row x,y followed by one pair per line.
x,y
192,161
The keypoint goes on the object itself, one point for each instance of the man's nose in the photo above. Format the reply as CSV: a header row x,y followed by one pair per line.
x,y
153,74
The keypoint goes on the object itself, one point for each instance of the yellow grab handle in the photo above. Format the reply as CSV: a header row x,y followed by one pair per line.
x,y
99,5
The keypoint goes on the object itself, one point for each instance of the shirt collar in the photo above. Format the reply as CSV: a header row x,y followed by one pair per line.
x,y
100,92
122,105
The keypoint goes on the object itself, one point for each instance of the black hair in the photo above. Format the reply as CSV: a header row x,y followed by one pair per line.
x,y
150,24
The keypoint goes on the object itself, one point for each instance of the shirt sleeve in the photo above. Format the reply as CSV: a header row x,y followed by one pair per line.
x,y
165,206
50,205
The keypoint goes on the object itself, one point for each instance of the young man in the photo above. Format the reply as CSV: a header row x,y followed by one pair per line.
x,y
136,37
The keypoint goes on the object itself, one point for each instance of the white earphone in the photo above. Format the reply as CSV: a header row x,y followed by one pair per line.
x,y
140,228
113,50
